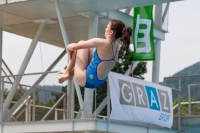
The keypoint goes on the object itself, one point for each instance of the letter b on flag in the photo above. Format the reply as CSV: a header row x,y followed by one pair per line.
x,y
143,37
143,42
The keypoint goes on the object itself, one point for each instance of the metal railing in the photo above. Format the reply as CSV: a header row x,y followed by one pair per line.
x,y
179,84
47,101
40,103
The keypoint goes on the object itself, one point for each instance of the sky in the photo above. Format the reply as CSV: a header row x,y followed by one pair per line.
x,y
179,50
181,47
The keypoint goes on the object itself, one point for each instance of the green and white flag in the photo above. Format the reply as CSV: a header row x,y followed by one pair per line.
x,y
143,36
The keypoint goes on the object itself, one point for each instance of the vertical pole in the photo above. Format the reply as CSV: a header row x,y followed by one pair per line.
x,y
1,99
108,100
33,113
69,97
23,66
108,104
189,99
1,103
56,114
66,42
89,93
156,63
28,110
72,101
2,79
179,106
64,107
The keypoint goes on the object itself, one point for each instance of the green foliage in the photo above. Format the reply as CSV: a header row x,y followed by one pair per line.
x,y
195,108
125,59
140,70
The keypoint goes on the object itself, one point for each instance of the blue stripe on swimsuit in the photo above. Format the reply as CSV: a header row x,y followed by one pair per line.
x,y
92,80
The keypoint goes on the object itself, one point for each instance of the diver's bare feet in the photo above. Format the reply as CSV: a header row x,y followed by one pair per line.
x,y
66,75
61,72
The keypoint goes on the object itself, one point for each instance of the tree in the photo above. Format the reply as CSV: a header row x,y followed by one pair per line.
x,y
125,59
195,109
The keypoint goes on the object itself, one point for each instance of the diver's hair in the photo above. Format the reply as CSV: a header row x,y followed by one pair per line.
x,y
122,32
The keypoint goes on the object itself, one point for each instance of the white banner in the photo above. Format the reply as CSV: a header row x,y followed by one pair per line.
x,y
137,100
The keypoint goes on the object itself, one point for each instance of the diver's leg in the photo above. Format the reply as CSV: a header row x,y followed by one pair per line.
x,y
82,61
68,73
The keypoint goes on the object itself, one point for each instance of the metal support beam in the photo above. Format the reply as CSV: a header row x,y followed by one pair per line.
x,y
70,96
7,116
10,81
11,74
56,114
189,97
89,93
1,99
6,75
189,100
130,69
34,99
108,100
28,111
2,79
23,66
100,108
165,12
80,99
61,22
21,112
72,101
179,105
22,104
54,106
64,108
128,10
156,63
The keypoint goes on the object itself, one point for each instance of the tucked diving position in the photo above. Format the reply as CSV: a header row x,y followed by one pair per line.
x,y
92,60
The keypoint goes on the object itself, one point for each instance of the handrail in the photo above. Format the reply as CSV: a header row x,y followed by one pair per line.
x,y
47,72
184,103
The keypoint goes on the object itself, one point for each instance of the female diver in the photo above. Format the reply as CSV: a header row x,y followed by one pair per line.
x,y
92,60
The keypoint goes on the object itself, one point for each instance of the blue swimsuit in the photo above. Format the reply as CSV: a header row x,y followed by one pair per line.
x,y
92,80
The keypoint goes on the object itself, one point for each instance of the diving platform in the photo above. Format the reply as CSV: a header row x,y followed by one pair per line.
x,y
58,23
189,125
81,126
